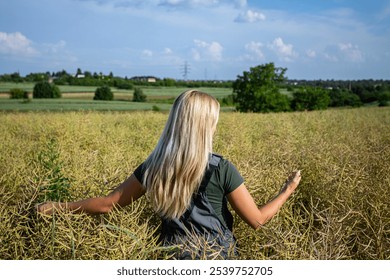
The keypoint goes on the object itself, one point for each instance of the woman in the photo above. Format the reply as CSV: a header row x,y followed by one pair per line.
x,y
188,185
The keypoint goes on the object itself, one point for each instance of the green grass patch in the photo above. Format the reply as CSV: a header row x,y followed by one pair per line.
x,y
76,105
148,90
75,98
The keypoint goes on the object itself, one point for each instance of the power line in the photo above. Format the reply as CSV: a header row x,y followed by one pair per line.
x,y
185,70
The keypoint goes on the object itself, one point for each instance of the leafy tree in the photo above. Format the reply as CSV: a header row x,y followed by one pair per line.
x,y
37,77
344,97
257,90
46,90
227,100
123,84
18,93
384,99
103,93
169,82
56,93
139,95
310,98
368,93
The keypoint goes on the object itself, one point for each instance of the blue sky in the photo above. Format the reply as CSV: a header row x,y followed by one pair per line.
x,y
218,39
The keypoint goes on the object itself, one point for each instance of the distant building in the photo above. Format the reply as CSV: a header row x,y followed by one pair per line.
x,y
149,79
80,76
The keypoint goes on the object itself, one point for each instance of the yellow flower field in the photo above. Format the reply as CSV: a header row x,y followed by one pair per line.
x,y
341,209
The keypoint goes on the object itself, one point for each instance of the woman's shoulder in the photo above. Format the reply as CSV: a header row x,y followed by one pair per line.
x,y
229,176
221,160
226,166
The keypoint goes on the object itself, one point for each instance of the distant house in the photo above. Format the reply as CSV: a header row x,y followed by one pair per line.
x,y
80,76
149,79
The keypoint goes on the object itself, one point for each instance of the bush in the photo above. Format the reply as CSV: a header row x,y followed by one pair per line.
x,y
103,93
46,90
343,97
156,108
124,84
139,96
272,102
310,98
384,99
17,93
227,100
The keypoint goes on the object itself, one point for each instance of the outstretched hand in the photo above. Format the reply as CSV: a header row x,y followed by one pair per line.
x,y
292,182
46,207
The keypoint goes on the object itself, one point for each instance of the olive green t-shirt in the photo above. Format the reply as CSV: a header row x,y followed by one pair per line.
x,y
223,181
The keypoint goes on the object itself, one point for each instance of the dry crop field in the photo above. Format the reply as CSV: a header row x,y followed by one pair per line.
x,y
341,209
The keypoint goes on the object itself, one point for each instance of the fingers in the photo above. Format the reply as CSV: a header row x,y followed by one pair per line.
x,y
38,207
293,180
297,175
44,208
294,176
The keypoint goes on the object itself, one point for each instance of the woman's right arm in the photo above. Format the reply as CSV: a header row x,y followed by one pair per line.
x,y
127,192
244,205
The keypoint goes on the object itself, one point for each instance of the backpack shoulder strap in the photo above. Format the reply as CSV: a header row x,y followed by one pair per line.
x,y
214,161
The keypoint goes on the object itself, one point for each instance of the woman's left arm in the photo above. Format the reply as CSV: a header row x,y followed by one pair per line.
x,y
244,205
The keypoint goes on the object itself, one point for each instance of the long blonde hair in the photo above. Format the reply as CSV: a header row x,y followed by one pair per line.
x,y
175,168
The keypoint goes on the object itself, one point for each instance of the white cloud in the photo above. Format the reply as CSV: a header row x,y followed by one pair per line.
x,y
331,57
196,55
208,51
240,3
55,48
167,51
254,49
147,53
311,53
343,52
250,16
385,13
53,56
188,3
201,44
167,3
16,44
351,52
171,2
284,51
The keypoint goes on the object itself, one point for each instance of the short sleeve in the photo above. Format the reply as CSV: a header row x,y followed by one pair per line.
x,y
232,177
139,173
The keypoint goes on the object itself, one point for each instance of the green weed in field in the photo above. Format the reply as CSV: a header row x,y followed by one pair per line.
x,y
55,186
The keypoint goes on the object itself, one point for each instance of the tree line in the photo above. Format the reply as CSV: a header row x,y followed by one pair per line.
x,y
87,78
260,90
263,88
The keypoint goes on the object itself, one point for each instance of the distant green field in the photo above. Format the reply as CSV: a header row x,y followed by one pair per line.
x,y
76,105
5,87
75,98
148,90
